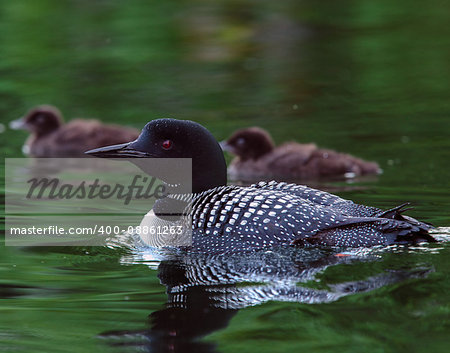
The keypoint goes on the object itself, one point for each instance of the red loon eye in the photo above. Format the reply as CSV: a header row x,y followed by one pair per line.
x,y
167,144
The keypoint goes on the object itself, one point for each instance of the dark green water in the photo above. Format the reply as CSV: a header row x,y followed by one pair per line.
x,y
365,77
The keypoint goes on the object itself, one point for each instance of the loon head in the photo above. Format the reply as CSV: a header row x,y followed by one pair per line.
x,y
40,120
249,143
172,138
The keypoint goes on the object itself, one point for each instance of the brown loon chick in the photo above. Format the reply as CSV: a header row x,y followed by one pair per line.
x,y
51,137
257,157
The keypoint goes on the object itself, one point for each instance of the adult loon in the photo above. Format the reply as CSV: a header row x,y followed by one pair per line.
x,y
257,157
50,137
266,214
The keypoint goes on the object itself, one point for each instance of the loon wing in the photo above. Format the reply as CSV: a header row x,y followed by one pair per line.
x,y
346,207
369,231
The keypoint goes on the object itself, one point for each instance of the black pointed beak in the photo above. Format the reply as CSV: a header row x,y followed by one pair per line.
x,y
124,150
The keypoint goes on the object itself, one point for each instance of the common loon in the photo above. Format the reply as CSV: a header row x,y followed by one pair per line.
x,y
257,157
266,214
50,137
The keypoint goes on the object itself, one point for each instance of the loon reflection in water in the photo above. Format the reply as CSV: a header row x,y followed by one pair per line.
x,y
205,292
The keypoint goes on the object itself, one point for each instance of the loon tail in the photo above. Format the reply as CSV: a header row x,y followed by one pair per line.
x,y
416,227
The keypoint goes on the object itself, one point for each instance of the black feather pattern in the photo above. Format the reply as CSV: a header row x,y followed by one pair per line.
x,y
267,214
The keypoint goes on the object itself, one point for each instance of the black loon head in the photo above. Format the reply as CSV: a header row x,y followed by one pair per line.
x,y
171,138
40,120
249,143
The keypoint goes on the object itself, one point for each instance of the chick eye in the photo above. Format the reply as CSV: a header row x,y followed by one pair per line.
x,y
39,119
167,144
240,141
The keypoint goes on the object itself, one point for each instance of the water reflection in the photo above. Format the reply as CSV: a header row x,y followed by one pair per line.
x,y
205,292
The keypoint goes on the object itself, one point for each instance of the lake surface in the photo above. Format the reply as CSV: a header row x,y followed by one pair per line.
x,y
371,78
